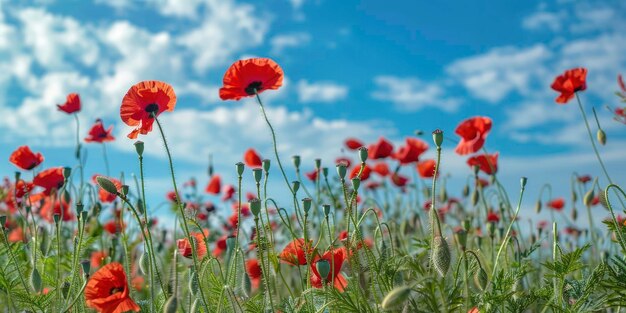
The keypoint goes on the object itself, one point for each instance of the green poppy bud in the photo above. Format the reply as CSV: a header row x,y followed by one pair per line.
x,y
266,165
296,161
440,255
139,147
396,297
601,137
106,184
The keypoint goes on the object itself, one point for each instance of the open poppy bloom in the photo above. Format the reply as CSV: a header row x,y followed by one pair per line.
x,y
381,169
97,257
254,271
50,179
312,175
473,132
107,290
97,133
220,246
410,152
426,168
143,102
380,150
569,83
365,174
184,247
335,259
25,159
556,204
353,143
399,180
71,105
493,217
488,163
21,188
245,78
228,191
214,186
294,253
252,158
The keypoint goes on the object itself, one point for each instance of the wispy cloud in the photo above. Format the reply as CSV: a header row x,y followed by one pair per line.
x,y
320,91
413,94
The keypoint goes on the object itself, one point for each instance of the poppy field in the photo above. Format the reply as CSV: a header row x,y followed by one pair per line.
x,y
375,230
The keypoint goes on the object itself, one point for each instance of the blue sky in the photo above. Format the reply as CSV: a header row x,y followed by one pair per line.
x,y
353,68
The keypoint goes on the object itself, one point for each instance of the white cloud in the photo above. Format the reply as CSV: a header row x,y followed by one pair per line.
x,y
500,71
541,20
530,114
320,91
412,94
297,4
281,42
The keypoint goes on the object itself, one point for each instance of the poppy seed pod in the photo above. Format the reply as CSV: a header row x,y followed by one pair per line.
x,y
363,154
318,163
67,172
86,266
3,220
106,184
255,206
84,215
341,170
440,255
438,137
601,137
139,147
266,165
257,173
240,167
79,208
325,171
326,208
295,185
356,183
124,190
523,181
323,268
461,238
296,161
306,205
56,217
396,297
65,289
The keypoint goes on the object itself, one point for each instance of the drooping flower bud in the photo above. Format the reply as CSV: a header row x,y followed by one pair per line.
x,y
35,280
538,206
588,198
396,297
481,279
106,184
440,255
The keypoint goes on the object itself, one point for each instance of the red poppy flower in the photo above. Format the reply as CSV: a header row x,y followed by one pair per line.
x,y
107,290
51,206
104,195
252,158
493,217
214,186
245,77
97,133
25,159
220,246
488,163
353,143
335,259
399,180
16,235
142,101
245,208
50,179
569,83
184,247
364,175
380,150
71,105
482,182
410,152
294,253
229,192
254,271
426,168
584,178
233,220
97,257
556,204
373,185
381,169
312,175
171,196
473,132
22,188
343,160
620,82
112,227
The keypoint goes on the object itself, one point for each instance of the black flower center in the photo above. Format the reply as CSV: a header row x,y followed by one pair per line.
x,y
152,109
115,290
253,87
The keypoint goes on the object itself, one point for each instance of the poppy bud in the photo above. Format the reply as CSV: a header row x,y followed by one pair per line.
x,y
396,297
306,205
295,185
440,255
67,172
574,196
17,176
363,154
140,206
266,165
341,170
443,195
523,181
79,209
538,206
356,183
246,283
601,137
124,190
171,306
35,280
466,191
144,262
139,147
481,279
193,282
588,198
255,206
603,200
475,197
574,214
257,173
66,196
326,208
467,225
106,184
56,217
325,172
318,163
476,168
323,268
84,215
86,266
296,161
438,137
240,167
461,238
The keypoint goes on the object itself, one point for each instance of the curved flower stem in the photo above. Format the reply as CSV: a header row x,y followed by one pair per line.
x,y
148,238
508,231
194,253
593,144
280,165
266,272
617,225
